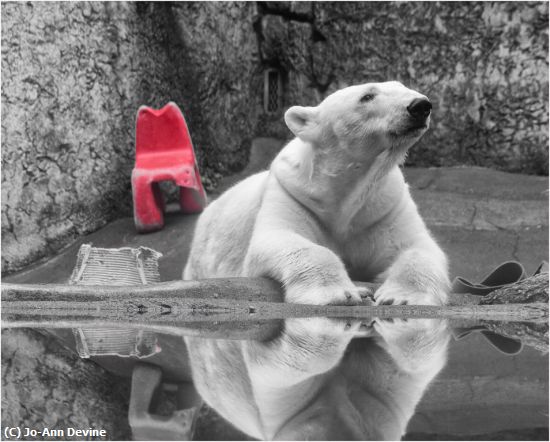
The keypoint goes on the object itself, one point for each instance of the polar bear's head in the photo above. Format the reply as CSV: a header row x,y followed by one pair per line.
x,y
364,120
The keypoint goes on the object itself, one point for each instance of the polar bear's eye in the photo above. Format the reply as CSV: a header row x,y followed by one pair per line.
x,y
367,97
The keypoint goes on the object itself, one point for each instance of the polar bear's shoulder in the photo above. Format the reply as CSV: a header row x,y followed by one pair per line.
x,y
223,230
247,192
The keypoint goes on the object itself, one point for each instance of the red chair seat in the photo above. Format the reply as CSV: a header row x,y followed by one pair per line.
x,y
164,152
163,160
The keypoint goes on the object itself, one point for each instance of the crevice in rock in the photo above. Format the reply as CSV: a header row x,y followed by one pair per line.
x,y
257,28
282,9
317,37
9,224
320,86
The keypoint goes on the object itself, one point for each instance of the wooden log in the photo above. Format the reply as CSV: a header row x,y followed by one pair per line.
x,y
241,304
529,290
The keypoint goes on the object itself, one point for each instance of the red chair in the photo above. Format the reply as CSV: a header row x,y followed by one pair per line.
x,y
164,152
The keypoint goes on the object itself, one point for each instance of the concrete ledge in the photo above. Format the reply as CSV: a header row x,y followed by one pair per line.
x,y
478,181
476,198
479,213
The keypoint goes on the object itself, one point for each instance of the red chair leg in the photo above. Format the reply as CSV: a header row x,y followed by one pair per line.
x,y
191,200
159,198
148,204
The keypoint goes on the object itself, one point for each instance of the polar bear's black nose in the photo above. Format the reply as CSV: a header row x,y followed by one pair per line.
x,y
420,108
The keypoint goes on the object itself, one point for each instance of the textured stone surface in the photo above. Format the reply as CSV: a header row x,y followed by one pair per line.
x,y
72,80
45,386
222,80
74,75
483,65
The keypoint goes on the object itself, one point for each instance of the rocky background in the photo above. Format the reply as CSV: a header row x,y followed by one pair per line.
x,y
46,386
483,65
74,75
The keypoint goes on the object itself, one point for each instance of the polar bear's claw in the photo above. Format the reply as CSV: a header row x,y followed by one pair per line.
x,y
393,293
322,326
324,295
366,292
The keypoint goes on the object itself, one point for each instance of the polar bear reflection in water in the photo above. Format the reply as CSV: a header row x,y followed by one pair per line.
x,y
314,382
334,207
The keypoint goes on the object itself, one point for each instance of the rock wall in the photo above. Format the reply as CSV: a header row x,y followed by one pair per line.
x,y
72,78
484,65
74,75
46,386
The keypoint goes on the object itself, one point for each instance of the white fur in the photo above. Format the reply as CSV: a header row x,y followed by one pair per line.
x,y
333,207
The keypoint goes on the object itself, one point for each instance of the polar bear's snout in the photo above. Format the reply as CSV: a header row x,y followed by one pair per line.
x,y
420,109
417,117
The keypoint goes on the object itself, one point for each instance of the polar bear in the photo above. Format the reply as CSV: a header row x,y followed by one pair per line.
x,y
334,207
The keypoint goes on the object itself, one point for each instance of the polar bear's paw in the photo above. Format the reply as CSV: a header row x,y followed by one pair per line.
x,y
334,294
394,293
415,344
321,326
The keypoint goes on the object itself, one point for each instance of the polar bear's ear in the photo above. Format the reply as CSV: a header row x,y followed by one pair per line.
x,y
303,122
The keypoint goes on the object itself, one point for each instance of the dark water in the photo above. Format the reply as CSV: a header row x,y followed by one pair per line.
x,y
336,379
321,378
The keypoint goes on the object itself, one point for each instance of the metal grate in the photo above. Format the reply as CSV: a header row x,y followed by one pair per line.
x,y
272,91
124,266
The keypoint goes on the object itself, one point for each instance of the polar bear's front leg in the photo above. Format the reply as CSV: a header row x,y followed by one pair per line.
x,y
306,347
416,345
287,244
418,276
309,273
